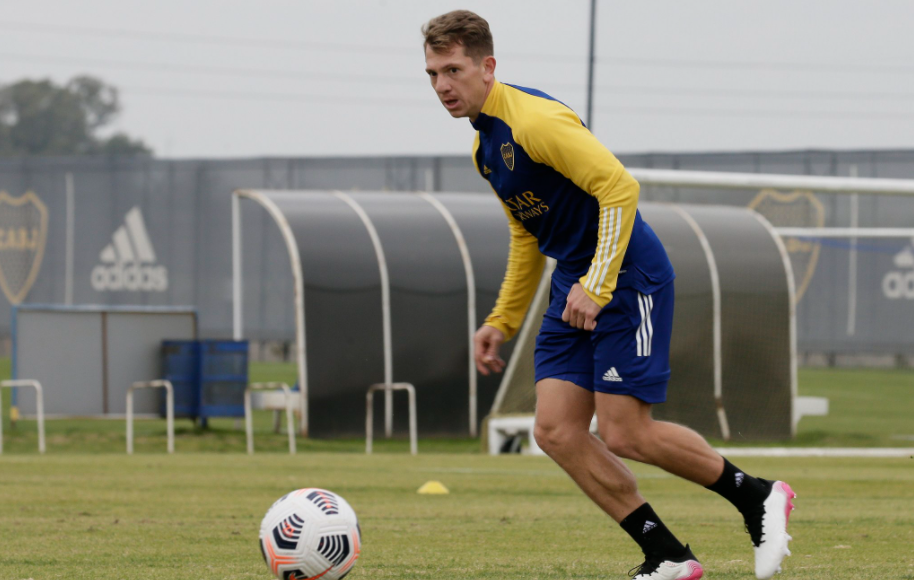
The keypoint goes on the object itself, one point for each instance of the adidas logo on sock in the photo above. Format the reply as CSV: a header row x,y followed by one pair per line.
x,y
648,526
739,478
612,375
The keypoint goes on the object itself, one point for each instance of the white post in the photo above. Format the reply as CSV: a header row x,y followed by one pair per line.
x,y
413,428
852,263
68,268
237,320
39,409
169,411
385,309
471,299
716,321
248,422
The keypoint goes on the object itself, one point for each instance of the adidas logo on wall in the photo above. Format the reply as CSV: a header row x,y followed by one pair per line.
x,y
129,262
899,283
612,375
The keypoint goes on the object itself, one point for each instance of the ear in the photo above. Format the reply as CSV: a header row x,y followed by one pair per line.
x,y
488,64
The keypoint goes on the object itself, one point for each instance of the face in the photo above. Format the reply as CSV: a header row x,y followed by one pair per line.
x,y
462,85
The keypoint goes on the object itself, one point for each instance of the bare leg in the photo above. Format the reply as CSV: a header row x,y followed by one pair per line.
x,y
629,431
563,414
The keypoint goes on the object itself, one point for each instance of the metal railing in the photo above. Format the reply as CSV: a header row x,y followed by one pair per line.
x,y
248,423
39,408
369,412
169,411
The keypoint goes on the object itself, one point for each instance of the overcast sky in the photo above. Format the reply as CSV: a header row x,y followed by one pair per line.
x,y
224,78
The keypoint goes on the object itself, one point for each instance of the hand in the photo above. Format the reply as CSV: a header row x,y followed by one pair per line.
x,y
580,310
487,341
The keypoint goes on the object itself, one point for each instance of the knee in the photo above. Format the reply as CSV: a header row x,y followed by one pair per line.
x,y
555,437
622,443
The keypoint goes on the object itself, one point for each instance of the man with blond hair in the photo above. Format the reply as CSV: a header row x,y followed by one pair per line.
x,y
603,346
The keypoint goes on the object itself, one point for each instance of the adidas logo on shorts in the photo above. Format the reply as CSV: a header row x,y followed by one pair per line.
x,y
612,375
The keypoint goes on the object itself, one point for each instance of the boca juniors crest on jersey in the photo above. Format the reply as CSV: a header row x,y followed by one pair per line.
x,y
507,153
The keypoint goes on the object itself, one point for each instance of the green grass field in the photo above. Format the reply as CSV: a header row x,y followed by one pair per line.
x,y
153,516
86,510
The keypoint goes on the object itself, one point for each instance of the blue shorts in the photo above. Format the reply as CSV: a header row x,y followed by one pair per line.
x,y
627,354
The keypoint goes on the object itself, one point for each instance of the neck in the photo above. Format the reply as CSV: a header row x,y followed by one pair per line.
x,y
489,86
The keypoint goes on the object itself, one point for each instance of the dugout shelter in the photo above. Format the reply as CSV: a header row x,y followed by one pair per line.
x,y
384,291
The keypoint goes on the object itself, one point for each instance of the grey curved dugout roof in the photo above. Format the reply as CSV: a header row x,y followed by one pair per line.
x,y
344,334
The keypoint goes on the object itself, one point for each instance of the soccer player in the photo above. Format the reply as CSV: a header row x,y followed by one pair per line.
x,y
604,342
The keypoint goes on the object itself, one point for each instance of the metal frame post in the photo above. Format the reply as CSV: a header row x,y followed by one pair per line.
x,y
299,288
716,321
39,409
70,233
385,308
169,411
471,301
248,422
237,281
369,413
792,305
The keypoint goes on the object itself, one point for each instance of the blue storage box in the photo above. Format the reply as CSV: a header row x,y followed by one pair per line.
x,y
208,376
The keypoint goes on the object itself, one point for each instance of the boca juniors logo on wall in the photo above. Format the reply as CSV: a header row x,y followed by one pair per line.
x,y
794,210
507,153
23,233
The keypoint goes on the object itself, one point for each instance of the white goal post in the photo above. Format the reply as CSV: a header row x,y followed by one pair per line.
x,y
726,180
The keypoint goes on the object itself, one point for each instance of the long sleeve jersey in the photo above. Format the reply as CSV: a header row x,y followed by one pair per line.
x,y
567,197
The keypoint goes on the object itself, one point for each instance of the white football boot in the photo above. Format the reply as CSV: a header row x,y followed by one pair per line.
x,y
685,568
767,526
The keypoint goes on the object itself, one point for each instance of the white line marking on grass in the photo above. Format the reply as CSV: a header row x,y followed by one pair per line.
x,y
815,451
553,473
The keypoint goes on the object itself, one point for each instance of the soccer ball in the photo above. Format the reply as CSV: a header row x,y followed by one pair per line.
x,y
310,533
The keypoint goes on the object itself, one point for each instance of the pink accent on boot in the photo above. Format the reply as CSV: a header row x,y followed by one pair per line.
x,y
695,571
790,495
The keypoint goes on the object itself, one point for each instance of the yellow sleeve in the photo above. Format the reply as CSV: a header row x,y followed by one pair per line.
x,y
522,277
553,135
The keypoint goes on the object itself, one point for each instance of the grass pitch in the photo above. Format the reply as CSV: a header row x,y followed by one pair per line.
x,y
87,511
103,517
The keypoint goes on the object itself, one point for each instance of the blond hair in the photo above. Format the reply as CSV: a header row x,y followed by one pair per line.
x,y
462,27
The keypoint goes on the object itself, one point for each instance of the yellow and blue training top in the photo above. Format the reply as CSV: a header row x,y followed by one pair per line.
x,y
567,197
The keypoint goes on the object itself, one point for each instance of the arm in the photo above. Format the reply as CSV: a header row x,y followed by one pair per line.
x,y
525,267
556,137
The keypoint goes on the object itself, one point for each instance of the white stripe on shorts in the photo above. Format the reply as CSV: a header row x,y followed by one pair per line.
x,y
645,333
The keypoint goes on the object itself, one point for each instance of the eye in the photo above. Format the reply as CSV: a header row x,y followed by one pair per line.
x,y
453,70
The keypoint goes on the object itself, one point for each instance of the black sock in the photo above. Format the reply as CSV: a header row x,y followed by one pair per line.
x,y
648,531
740,488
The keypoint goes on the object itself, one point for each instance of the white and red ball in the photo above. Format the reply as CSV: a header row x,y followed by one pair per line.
x,y
308,534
